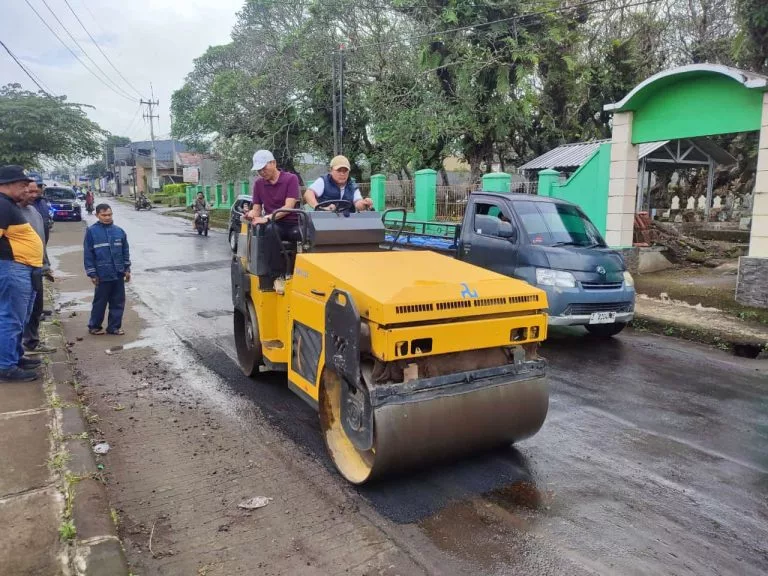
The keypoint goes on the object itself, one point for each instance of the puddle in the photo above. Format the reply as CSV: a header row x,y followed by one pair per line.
x,y
214,313
521,495
74,301
196,267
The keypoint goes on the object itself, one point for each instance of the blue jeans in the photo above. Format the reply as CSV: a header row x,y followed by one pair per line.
x,y
111,292
16,300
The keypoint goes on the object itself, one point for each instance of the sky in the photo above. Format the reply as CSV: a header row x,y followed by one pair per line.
x,y
148,41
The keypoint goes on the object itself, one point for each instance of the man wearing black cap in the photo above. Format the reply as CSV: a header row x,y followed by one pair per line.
x,y
21,252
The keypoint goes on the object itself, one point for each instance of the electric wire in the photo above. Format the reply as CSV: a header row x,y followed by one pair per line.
x,y
52,31
85,53
131,86
38,82
500,20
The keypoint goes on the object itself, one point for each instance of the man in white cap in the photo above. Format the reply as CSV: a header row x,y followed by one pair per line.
x,y
336,185
272,191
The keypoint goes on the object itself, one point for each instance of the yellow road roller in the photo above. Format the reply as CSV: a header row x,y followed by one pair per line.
x,y
409,357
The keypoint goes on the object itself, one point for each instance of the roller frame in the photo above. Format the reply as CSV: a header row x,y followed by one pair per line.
x,y
342,354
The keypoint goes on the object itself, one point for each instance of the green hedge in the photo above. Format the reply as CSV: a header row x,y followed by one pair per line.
x,y
169,200
174,189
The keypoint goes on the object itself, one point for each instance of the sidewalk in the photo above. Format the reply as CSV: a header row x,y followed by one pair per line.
x,y
53,504
701,324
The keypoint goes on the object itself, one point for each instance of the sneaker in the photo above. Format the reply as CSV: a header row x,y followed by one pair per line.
x,y
16,374
29,363
39,349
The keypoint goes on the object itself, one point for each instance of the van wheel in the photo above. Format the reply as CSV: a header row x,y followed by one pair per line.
x,y
605,330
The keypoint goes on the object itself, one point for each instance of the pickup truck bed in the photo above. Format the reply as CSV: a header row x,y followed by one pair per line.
x,y
437,236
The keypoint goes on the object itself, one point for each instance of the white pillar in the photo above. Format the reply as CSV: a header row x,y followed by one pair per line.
x,y
622,186
758,240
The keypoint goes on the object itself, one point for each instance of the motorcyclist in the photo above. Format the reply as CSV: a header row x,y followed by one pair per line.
x,y
200,206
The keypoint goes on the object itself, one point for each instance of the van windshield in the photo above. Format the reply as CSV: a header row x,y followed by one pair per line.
x,y
59,194
554,224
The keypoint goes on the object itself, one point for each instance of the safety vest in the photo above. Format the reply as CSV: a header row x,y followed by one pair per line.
x,y
331,190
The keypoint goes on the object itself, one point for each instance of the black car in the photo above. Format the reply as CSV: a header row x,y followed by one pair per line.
x,y
64,203
242,204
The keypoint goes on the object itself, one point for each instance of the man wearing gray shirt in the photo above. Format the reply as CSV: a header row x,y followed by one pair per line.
x,y
31,337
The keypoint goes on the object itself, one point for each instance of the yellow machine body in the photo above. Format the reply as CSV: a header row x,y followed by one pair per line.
x,y
446,354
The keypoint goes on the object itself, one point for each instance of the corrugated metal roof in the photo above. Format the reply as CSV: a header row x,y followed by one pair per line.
x,y
566,156
574,155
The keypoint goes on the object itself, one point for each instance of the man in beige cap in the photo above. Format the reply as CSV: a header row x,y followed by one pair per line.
x,y
336,185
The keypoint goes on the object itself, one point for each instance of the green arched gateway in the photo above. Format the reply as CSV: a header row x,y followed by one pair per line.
x,y
696,100
685,102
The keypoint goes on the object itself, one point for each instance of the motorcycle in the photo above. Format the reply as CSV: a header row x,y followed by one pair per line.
x,y
142,202
89,207
201,223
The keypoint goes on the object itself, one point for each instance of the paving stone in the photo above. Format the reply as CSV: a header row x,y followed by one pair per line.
x,y
22,396
30,543
72,423
25,444
106,559
91,510
81,461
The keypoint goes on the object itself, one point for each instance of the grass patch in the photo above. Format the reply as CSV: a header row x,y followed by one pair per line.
x,y
59,460
67,530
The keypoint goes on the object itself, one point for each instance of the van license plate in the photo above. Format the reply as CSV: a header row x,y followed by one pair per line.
x,y
602,318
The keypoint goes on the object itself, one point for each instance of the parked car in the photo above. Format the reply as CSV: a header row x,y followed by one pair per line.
x,y
64,203
546,242
242,204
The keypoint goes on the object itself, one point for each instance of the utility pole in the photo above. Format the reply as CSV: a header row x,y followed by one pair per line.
x,y
341,99
173,146
150,104
333,90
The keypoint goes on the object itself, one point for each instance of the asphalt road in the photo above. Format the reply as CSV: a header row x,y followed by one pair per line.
x,y
653,458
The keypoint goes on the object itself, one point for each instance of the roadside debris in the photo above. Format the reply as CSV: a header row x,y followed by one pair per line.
x,y
681,248
101,448
254,503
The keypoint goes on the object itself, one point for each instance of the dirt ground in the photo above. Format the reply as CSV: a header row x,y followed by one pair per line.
x,y
710,287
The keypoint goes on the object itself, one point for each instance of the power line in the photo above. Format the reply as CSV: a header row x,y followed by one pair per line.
x,y
72,37
27,72
135,115
52,31
509,19
100,50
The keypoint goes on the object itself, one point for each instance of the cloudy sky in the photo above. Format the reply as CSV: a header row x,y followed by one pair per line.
x,y
148,41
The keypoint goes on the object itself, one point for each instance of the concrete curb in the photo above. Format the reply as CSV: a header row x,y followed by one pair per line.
x,y
733,342
96,549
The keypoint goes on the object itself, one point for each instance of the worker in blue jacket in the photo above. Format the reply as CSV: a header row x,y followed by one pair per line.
x,y
108,265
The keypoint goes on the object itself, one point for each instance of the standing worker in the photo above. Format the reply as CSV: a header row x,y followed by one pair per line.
x,y
31,337
337,185
21,251
108,265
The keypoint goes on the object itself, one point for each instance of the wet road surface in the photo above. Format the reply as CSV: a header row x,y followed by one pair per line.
x,y
653,458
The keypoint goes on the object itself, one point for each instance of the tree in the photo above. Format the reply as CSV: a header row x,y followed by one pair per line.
x,y
96,169
752,41
36,127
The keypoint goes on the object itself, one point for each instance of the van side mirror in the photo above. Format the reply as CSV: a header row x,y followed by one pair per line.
x,y
506,230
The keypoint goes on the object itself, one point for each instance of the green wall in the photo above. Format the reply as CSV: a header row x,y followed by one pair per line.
x,y
699,106
587,187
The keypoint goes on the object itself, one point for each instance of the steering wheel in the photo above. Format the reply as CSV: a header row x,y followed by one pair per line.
x,y
341,205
